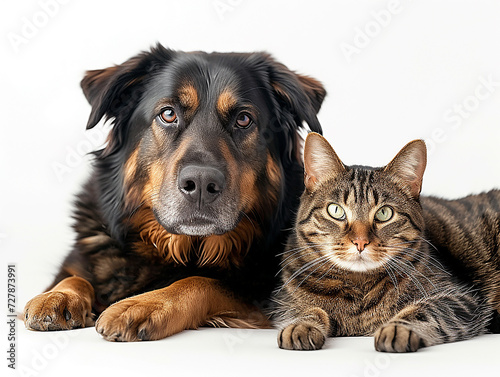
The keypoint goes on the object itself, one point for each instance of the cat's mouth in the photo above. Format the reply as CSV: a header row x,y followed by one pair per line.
x,y
353,260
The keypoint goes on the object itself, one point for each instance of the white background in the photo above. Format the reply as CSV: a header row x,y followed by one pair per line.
x,y
394,71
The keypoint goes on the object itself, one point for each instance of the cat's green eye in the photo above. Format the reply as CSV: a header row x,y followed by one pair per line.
x,y
336,211
384,214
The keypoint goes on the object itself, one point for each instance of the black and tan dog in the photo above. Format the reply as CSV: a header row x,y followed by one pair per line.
x,y
184,213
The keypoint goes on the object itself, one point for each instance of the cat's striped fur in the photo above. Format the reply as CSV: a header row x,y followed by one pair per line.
x,y
466,232
357,275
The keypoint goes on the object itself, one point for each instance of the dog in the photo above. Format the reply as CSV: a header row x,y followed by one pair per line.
x,y
188,204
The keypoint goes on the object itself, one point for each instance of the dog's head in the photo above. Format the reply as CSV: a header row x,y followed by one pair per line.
x,y
202,141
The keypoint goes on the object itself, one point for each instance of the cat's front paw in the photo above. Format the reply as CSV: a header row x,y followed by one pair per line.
x,y
397,338
301,336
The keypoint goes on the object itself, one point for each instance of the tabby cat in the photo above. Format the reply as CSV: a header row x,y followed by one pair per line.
x,y
358,261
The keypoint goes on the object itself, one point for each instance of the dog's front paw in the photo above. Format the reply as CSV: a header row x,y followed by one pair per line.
x,y
301,336
134,319
397,338
57,310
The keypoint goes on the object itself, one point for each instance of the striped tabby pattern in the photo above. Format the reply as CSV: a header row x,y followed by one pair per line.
x,y
359,261
466,232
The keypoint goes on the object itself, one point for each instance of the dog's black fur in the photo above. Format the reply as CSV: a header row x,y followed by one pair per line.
x,y
119,223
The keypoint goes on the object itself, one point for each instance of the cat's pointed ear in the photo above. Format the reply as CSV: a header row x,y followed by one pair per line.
x,y
320,160
409,166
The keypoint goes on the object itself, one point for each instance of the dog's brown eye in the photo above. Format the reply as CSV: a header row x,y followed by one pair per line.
x,y
243,120
168,115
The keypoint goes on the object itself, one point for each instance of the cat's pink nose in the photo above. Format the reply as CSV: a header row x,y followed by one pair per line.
x,y
360,243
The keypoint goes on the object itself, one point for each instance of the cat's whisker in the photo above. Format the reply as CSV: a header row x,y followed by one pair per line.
x,y
290,259
416,257
304,268
409,269
284,265
300,250
313,271
430,261
392,276
299,253
406,248
403,271
428,242
423,257
334,265
406,242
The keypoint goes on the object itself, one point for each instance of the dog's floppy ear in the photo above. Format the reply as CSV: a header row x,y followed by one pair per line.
x,y
296,98
301,95
115,90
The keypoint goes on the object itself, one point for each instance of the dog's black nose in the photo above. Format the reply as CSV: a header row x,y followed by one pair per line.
x,y
201,184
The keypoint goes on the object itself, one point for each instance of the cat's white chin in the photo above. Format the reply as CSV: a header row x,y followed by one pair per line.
x,y
357,262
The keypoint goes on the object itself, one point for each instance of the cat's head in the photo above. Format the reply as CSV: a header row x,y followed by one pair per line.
x,y
361,217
